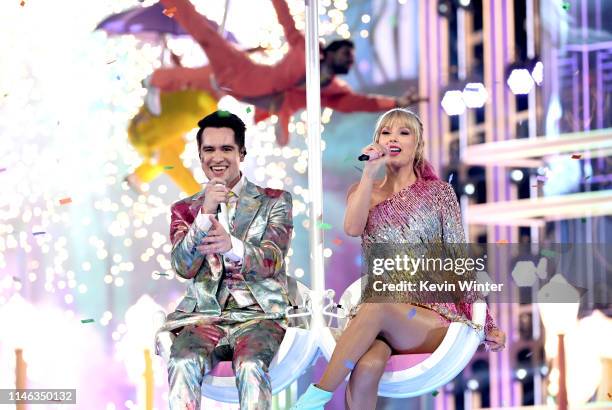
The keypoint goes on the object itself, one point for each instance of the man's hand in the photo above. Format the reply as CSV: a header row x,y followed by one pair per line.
x,y
215,193
217,240
409,99
496,340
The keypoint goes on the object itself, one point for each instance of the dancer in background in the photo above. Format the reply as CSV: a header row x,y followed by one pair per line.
x,y
278,89
160,140
235,304
410,205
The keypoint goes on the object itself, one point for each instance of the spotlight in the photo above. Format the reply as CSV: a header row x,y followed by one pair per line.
x,y
472,384
453,103
520,81
521,374
444,8
475,95
464,3
517,175
469,189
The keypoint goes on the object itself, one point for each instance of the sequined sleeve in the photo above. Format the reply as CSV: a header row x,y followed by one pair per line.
x,y
185,258
452,232
450,216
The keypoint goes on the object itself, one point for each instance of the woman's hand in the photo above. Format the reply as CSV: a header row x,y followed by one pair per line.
x,y
373,165
495,340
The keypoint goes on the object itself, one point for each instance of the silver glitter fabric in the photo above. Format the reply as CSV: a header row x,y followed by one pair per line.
x,y
250,345
425,212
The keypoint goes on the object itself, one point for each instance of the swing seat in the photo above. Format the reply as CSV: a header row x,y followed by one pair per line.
x,y
296,353
411,375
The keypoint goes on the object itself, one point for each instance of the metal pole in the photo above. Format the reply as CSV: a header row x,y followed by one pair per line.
x,y
315,171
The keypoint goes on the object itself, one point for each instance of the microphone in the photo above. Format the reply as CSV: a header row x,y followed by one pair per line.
x,y
366,157
223,215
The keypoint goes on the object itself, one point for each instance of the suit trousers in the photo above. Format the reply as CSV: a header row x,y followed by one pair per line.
x,y
251,346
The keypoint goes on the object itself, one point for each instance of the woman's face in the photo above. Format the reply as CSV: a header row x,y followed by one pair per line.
x,y
401,143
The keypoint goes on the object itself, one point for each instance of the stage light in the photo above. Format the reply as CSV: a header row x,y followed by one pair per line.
x,y
472,384
464,3
469,189
520,81
538,73
521,374
475,95
517,175
453,103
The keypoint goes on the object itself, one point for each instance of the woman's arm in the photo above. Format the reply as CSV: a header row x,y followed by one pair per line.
x,y
358,206
359,195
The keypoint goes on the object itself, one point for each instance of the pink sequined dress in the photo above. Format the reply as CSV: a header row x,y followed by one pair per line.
x,y
425,212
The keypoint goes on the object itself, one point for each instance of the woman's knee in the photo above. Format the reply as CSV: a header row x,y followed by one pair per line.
x,y
371,312
369,370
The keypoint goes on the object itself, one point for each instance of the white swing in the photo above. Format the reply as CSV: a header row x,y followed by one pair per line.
x,y
295,354
411,375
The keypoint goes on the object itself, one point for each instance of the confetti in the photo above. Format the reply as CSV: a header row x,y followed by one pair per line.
x,y
357,168
393,21
16,279
587,177
39,233
547,253
161,273
168,167
65,201
450,178
337,242
248,110
502,241
349,364
583,220
534,186
412,313
565,5
87,320
169,12
111,62
118,77
22,3
223,113
434,393
528,355
576,156
542,178
2,169
324,225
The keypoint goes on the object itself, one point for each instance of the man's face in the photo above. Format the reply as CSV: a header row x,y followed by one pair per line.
x,y
342,59
220,156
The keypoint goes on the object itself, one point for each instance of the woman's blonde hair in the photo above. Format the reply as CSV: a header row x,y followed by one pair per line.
x,y
405,118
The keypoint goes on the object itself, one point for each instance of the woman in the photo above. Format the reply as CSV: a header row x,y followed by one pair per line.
x,y
410,205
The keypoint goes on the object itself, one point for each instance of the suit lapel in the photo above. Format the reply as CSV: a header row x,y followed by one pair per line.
x,y
196,203
246,210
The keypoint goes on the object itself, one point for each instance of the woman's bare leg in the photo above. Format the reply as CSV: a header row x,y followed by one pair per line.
x,y
420,333
362,388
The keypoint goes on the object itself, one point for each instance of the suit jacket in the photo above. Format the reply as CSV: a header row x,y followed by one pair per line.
x,y
263,221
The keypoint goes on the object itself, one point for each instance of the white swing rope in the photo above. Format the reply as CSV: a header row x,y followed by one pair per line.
x,y
315,171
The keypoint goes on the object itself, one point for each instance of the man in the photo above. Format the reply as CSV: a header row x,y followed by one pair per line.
x,y
234,306
278,89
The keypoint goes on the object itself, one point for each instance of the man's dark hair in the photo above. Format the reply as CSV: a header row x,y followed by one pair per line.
x,y
223,119
337,45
